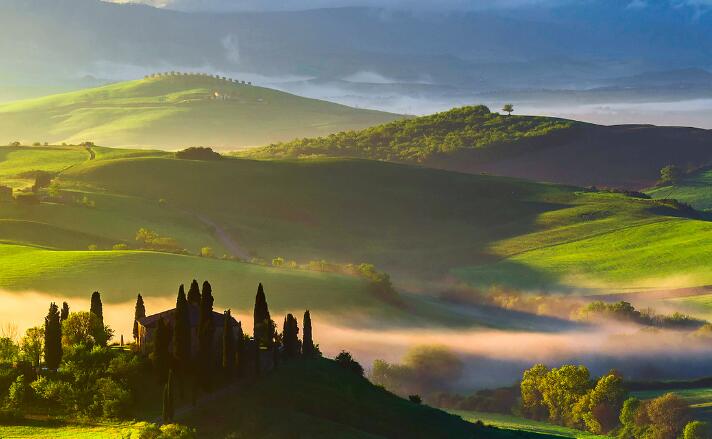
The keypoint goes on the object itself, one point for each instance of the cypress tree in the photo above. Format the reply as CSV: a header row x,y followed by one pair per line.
x,y
240,350
96,307
194,293
168,411
64,314
205,333
308,341
181,331
139,313
161,357
263,326
53,338
290,336
228,346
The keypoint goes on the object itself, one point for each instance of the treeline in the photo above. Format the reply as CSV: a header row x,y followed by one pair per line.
x,y
625,312
420,138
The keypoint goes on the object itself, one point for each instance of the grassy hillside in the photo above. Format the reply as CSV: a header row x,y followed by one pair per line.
x,y
421,225
472,139
177,111
512,422
693,189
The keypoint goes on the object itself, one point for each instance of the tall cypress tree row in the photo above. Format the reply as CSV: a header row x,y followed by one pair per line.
x,y
263,326
161,356
139,313
64,314
308,342
205,334
228,346
194,293
53,338
181,331
240,350
168,410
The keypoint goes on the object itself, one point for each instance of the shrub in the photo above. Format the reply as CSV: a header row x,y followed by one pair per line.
x,y
415,398
345,360
146,430
120,246
198,153
207,252
18,394
697,430
110,399
92,247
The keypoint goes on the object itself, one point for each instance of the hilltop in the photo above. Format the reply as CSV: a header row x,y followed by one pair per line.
x,y
176,110
475,140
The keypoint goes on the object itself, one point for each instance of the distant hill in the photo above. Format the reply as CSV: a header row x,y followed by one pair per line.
x,y
472,139
177,110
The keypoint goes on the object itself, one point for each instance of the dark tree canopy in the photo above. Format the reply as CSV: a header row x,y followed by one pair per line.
x,y
96,306
198,153
308,341
290,337
263,326
194,293
53,338
205,333
181,330
139,313
228,346
168,410
64,314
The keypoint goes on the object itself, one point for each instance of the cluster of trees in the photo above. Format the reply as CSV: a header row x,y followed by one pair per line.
x,y
421,138
624,311
664,417
198,153
425,371
81,375
177,363
203,75
151,240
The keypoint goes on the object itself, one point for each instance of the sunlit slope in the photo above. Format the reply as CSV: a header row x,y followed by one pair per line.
x,y
694,189
421,223
177,111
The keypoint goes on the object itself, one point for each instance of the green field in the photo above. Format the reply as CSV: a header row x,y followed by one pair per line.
x,y
693,189
512,422
178,111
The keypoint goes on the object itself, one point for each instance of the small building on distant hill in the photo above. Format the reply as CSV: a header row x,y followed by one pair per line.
x,y
147,328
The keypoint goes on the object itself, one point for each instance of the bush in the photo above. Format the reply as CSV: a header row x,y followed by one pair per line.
x,y
18,394
207,252
120,246
110,399
198,153
146,430
697,430
345,360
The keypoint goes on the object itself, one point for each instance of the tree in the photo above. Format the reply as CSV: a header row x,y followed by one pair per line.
x,y
531,389
668,415
139,313
561,389
161,356
598,410
697,430
345,360
290,337
84,328
194,293
98,310
670,174
508,108
629,419
32,344
263,326
228,346
53,338
64,314
240,352
308,342
181,331
205,333
168,411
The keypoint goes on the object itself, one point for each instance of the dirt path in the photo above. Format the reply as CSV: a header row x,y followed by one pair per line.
x,y
225,239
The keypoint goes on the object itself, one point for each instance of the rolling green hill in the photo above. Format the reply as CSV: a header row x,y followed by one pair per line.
x,y
475,140
174,111
423,226
693,189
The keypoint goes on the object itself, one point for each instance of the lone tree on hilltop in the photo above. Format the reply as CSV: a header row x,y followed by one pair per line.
x,y
139,313
194,293
263,326
508,108
308,342
64,314
181,331
228,346
53,338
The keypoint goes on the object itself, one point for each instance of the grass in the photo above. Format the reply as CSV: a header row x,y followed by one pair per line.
x,y
512,422
40,429
178,111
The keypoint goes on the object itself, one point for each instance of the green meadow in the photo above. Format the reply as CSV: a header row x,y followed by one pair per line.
x,y
511,422
693,189
176,111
